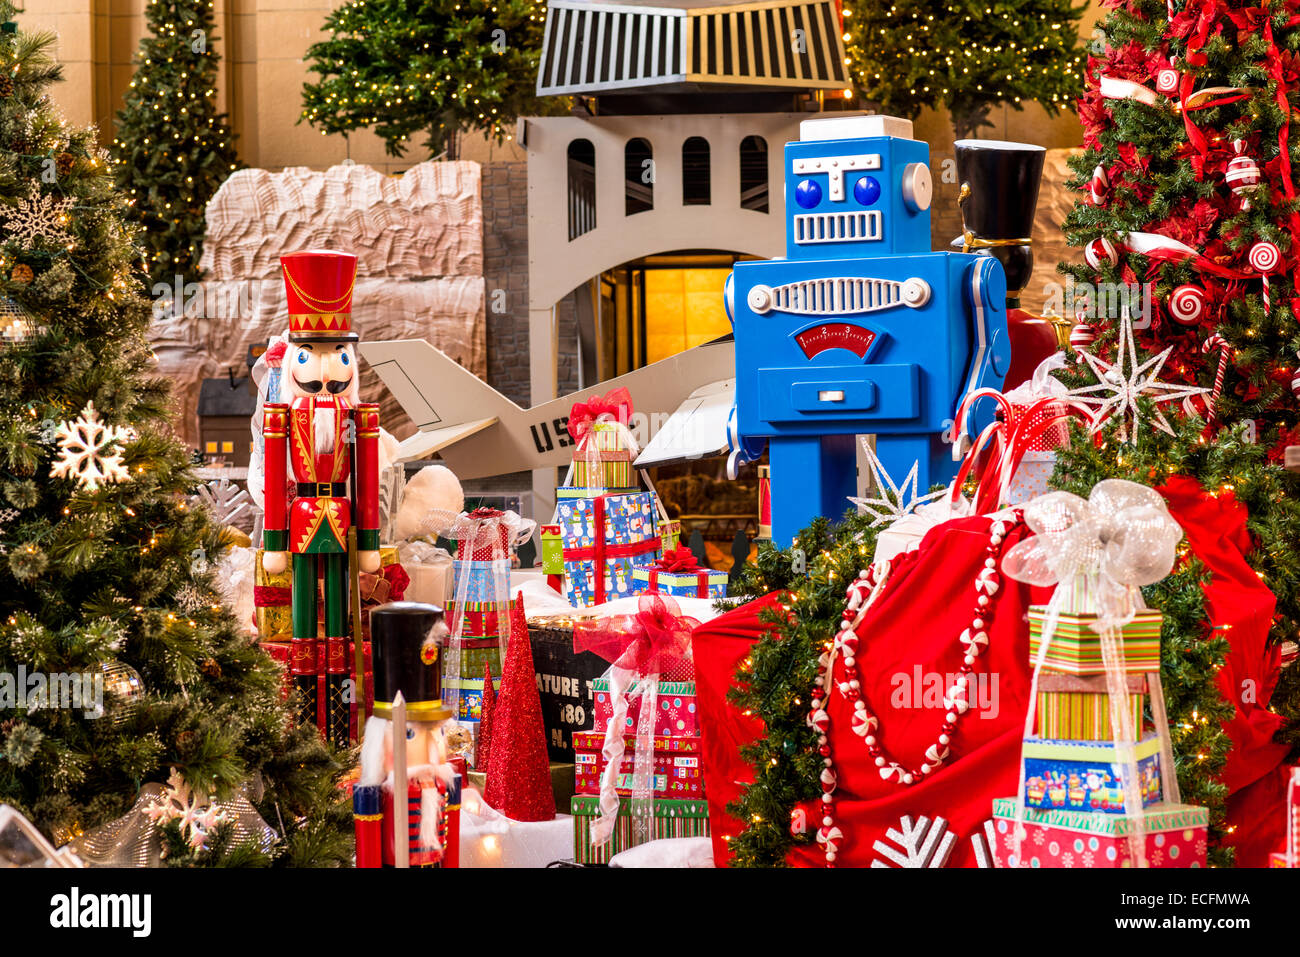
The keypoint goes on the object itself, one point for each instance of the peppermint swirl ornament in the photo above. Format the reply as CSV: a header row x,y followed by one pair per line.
x,y
1242,172
1099,251
1264,256
1187,304
1167,81
1099,188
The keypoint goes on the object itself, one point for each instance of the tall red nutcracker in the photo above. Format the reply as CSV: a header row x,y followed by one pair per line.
x,y
312,437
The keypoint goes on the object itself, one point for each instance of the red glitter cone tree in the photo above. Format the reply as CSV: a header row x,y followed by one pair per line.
x,y
483,742
518,769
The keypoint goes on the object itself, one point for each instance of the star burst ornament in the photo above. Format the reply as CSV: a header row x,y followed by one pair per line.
x,y
197,816
891,505
86,453
1121,383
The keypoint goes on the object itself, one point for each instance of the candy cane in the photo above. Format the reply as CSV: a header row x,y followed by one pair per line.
x,y
1264,258
1216,341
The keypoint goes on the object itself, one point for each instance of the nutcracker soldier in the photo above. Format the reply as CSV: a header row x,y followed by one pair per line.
x,y
408,640
324,440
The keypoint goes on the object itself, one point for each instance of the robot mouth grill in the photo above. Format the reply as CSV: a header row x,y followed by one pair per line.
x,y
838,227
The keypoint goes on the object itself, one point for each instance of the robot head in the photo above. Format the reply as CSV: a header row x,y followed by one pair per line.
x,y
856,186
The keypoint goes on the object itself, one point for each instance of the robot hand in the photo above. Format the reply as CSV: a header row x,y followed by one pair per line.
x,y
368,562
274,563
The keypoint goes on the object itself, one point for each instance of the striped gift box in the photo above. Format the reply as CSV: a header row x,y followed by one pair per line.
x,y
670,819
482,618
1078,706
611,469
1076,648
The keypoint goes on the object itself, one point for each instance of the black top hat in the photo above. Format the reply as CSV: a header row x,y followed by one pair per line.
x,y
999,190
407,640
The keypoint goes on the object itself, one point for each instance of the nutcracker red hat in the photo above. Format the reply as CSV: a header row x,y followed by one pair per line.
x,y
319,285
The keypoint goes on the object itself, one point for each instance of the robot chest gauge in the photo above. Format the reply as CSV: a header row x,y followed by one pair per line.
x,y
826,336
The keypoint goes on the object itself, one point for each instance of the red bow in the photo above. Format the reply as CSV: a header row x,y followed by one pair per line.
x,y
614,406
679,559
485,513
653,641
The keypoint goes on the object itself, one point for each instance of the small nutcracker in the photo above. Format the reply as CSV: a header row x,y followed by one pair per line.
x,y
322,438
407,641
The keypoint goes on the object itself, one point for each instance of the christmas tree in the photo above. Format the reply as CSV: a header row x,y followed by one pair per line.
x,y
434,66
967,56
173,149
107,567
1186,217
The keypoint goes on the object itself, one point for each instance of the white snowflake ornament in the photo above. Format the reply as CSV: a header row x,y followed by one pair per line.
x,y
1121,383
195,814
894,501
38,216
7,515
85,451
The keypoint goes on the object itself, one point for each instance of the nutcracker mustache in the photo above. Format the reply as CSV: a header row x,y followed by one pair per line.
x,y
315,385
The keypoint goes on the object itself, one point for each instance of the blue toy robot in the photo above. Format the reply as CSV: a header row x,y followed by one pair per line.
x,y
861,329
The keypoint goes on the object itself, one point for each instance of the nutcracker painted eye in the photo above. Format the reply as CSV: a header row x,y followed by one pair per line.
x,y
302,358
410,734
807,194
866,190
346,360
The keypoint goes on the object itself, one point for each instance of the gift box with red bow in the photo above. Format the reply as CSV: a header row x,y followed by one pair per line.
x,y
676,772
603,445
604,538
678,574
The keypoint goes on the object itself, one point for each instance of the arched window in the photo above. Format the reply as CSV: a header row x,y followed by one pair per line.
x,y
582,188
638,176
695,172
753,174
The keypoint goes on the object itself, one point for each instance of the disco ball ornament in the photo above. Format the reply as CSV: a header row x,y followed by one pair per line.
x,y
123,690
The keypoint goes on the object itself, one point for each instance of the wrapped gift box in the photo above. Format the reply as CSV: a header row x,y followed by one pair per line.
x,y
670,533
271,602
429,569
701,583
1077,707
489,542
482,618
1030,478
552,550
675,709
484,581
1175,837
607,535
470,707
676,773
1076,648
1084,775
670,819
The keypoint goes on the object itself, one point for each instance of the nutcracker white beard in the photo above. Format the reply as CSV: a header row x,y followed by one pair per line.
x,y
324,430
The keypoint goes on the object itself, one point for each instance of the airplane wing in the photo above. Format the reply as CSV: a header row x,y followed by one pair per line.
x,y
698,429
479,432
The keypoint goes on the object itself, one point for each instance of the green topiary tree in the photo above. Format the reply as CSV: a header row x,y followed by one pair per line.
x,y
105,563
440,67
965,55
173,149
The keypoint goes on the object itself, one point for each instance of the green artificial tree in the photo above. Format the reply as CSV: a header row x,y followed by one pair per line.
x,y
440,67
173,148
107,567
965,55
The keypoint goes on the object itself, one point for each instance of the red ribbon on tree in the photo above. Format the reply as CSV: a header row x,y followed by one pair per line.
x,y
614,406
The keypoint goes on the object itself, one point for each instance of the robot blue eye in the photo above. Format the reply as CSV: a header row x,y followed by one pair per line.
x,y
302,358
866,190
808,194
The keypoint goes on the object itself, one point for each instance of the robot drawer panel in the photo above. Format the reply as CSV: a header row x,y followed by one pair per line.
x,y
836,392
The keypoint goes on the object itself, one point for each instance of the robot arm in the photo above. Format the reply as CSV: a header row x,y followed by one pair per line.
x,y
986,289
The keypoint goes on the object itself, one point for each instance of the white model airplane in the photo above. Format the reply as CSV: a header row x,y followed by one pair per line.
x,y
479,432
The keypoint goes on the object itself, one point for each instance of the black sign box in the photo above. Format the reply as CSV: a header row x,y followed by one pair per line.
x,y
564,683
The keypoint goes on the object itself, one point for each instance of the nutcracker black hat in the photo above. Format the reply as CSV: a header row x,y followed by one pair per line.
x,y
407,641
999,194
